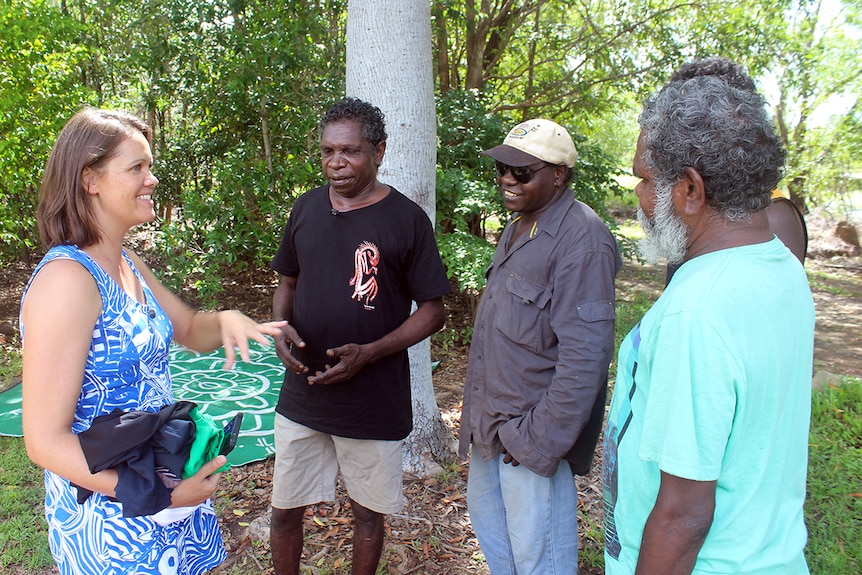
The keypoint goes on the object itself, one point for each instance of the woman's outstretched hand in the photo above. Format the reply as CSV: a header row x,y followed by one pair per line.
x,y
236,331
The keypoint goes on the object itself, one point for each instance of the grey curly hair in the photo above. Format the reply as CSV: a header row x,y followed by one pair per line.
x,y
720,130
727,70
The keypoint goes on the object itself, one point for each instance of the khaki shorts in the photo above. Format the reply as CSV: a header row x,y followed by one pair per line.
x,y
307,464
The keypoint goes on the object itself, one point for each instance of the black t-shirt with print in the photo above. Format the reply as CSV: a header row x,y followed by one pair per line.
x,y
357,273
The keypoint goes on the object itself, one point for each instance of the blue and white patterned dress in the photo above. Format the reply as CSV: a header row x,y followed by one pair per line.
x,y
127,368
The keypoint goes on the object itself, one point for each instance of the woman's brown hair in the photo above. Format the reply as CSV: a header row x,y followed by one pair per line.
x,y
89,139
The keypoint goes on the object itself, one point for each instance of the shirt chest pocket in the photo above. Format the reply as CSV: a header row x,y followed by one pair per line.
x,y
521,318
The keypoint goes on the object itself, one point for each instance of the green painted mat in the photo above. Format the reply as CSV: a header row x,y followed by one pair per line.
x,y
250,387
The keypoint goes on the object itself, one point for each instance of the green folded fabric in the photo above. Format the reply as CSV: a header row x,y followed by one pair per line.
x,y
206,445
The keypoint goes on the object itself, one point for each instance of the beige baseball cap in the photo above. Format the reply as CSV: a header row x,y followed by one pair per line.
x,y
534,141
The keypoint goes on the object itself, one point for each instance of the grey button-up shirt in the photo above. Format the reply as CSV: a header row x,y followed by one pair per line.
x,y
543,338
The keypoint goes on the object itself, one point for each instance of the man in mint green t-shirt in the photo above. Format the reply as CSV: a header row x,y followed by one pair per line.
x,y
705,451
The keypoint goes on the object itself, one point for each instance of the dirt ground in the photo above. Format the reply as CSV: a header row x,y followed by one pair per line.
x,y
433,535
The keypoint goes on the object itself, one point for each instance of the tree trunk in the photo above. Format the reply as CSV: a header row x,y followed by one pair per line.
x,y
477,34
389,64
444,74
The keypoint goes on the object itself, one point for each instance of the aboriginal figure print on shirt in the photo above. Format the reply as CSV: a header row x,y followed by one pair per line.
x,y
618,422
366,259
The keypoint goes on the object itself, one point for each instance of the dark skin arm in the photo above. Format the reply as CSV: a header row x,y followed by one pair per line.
x,y
352,357
677,526
784,221
282,309
427,319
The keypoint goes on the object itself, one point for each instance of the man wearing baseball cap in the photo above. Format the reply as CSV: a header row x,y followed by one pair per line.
x,y
542,343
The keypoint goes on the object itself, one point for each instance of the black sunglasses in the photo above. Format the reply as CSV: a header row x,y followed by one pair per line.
x,y
521,173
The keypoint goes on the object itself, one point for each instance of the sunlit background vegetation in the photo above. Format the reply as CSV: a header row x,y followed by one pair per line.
x,y
234,91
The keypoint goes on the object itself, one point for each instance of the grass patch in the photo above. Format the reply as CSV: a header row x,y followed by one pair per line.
x,y
591,551
833,510
10,365
833,284
23,531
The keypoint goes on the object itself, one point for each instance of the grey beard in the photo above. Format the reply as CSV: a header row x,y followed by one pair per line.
x,y
666,234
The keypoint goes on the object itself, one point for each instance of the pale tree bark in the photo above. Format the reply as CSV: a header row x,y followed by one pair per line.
x,y
389,64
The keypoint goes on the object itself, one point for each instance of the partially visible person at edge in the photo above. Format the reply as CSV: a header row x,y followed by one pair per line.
x,y
785,217
788,223
542,342
96,326
705,449
355,254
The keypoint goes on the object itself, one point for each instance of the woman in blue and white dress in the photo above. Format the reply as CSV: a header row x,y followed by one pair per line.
x,y
96,326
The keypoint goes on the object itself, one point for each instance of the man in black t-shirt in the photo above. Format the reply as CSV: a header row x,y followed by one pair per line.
x,y
355,254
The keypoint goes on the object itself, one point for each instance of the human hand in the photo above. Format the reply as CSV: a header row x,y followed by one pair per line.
x,y
200,486
237,329
507,457
351,358
283,342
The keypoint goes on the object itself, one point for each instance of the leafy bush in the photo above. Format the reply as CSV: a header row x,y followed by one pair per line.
x,y
833,510
232,222
39,92
466,194
466,257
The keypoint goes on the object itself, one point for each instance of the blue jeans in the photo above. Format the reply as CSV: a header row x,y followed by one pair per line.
x,y
526,524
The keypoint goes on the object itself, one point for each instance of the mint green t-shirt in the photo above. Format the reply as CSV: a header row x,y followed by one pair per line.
x,y
714,384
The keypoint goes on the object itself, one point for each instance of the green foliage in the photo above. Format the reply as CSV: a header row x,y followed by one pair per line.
x,y
219,230
450,340
596,178
466,203
233,93
591,551
835,174
638,287
818,69
242,84
466,193
833,511
466,258
23,532
597,184
39,55
629,312
247,143
747,32
616,131
572,61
